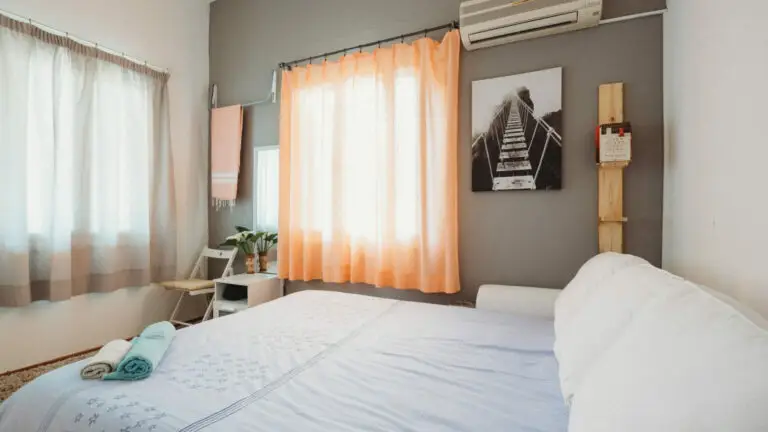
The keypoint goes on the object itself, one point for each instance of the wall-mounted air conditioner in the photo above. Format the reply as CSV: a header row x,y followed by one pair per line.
x,y
486,23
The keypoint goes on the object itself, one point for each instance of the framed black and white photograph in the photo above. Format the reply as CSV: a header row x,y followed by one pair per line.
x,y
517,130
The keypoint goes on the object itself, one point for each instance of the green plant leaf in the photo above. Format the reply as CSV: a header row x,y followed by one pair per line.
x,y
242,229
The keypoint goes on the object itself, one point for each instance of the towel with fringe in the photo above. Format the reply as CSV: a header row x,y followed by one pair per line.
x,y
106,360
226,141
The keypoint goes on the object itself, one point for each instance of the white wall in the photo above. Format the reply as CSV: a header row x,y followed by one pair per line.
x,y
716,184
167,33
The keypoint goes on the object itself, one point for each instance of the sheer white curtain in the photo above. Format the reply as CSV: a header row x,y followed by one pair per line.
x,y
86,181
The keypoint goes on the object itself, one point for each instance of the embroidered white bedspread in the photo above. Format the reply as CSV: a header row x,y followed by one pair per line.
x,y
321,361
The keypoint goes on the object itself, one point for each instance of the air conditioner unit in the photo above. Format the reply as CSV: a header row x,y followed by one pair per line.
x,y
486,23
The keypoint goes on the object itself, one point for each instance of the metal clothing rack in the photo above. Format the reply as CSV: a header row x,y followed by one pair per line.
x,y
272,98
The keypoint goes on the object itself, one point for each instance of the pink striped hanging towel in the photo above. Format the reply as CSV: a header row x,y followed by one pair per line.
x,y
226,141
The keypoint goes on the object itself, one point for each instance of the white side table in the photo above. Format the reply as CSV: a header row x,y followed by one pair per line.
x,y
261,288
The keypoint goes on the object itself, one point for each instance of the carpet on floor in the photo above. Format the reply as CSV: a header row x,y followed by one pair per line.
x,y
12,382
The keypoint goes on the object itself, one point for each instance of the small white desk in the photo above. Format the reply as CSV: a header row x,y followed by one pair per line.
x,y
261,288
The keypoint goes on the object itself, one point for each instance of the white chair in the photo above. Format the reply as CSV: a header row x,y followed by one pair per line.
x,y
198,284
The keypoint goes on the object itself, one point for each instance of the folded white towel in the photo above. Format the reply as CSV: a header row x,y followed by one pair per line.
x,y
106,360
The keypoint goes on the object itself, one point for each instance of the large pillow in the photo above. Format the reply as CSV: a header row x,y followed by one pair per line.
x,y
694,360
586,282
578,311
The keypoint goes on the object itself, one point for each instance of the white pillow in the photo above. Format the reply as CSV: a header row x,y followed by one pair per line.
x,y
586,281
577,344
689,361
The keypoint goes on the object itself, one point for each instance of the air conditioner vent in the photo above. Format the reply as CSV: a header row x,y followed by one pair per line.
x,y
486,23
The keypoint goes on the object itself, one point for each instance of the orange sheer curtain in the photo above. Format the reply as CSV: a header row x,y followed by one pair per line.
x,y
368,168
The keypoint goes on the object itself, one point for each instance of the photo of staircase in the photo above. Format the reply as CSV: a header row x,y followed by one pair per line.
x,y
514,170
520,146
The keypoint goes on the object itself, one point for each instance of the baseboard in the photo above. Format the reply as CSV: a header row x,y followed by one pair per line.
x,y
46,363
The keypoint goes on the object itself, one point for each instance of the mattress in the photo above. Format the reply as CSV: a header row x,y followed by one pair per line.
x,y
321,361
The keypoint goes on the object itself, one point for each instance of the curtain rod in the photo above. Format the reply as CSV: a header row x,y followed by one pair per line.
x,y
80,40
453,25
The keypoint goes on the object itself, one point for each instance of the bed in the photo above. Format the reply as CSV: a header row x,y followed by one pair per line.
x,y
322,361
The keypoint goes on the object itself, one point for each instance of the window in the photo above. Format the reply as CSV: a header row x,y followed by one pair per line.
x,y
371,190
101,165
360,152
88,199
266,187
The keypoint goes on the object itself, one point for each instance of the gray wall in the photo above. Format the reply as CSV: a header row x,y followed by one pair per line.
x,y
531,238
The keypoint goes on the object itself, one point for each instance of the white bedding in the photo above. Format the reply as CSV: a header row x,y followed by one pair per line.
x,y
319,361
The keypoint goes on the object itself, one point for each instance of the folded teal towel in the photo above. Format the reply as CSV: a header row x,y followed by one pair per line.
x,y
145,354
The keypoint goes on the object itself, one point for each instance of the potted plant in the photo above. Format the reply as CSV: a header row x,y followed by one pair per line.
x,y
244,240
265,241
250,243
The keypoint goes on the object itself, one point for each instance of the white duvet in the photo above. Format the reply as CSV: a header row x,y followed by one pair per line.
x,y
318,361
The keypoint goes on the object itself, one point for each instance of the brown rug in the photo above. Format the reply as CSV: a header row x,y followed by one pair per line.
x,y
16,380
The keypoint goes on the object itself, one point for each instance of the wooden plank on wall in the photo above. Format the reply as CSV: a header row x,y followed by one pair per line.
x,y
611,194
610,181
611,103
610,236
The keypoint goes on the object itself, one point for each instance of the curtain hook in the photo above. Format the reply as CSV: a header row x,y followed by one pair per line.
x,y
402,39
426,33
310,60
360,48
